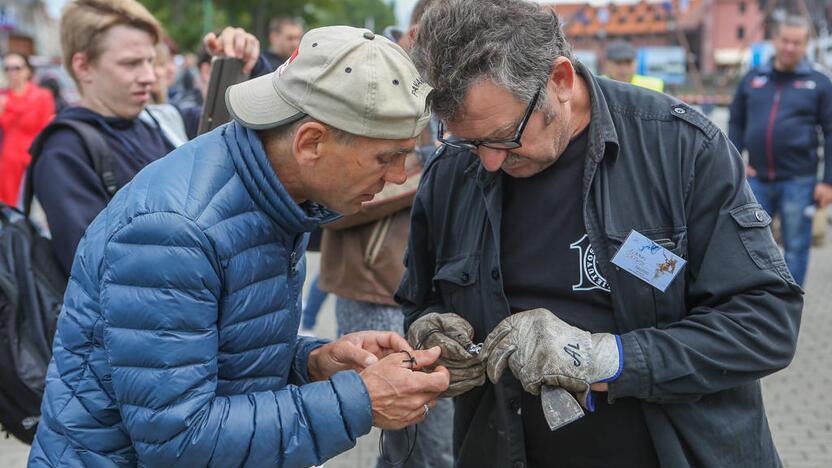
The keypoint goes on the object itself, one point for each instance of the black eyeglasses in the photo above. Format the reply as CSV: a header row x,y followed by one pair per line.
x,y
12,68
472,145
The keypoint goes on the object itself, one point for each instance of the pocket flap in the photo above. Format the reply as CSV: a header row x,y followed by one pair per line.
x,y
751,215
463,271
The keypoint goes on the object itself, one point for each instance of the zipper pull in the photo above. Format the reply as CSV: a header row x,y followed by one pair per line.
x,y
293,258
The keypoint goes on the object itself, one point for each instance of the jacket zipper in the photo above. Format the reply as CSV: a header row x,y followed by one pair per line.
x,y
770,132
293,263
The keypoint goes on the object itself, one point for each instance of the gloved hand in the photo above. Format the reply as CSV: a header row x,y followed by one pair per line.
x,y
454,335
542,349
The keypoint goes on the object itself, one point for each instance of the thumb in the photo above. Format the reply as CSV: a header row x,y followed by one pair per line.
x,y
498,361
426,357
211,43
350,353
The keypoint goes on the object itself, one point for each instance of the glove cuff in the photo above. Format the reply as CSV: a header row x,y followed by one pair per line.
x,y
608,357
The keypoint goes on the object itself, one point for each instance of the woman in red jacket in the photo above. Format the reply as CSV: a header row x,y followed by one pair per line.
x,y
25,109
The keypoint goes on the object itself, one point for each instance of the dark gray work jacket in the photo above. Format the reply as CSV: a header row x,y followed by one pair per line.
x,y
694,354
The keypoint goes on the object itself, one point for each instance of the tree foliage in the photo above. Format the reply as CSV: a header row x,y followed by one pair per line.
x,y
183,19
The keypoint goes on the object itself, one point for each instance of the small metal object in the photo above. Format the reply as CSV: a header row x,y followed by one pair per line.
x,y
475,349
559,407
427,410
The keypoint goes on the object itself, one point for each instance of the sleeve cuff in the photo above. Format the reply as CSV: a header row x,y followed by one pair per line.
x,y
620,361
634,377
300,367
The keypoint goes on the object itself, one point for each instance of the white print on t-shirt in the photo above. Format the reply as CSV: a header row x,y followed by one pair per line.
x,y
591,277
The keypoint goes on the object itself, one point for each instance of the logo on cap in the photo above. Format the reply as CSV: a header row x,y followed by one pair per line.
x,y
416,86
282,68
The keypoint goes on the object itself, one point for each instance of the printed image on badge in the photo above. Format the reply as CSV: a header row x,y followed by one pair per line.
x,y
648,261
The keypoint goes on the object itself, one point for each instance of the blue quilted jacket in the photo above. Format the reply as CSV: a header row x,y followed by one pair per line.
x,y
177,342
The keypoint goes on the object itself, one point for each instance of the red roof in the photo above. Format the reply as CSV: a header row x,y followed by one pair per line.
x,y
582,19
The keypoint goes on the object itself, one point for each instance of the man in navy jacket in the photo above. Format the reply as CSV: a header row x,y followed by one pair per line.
x,y
776,113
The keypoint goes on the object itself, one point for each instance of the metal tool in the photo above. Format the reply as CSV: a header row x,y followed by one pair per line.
x,y
559,407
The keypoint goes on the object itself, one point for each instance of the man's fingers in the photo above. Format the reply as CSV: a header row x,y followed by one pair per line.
x,y
495,337
425,357
393,341
239,43
352,354
227,41
211,43
251,53
435,382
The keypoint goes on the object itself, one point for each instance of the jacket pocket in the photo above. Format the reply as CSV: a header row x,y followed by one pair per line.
x,y
755,234
455,279
640,304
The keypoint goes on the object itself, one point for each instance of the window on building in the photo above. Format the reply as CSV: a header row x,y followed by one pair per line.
x,y
740,33
742,7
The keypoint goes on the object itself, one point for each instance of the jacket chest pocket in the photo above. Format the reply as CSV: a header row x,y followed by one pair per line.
x,y
642,304
455,280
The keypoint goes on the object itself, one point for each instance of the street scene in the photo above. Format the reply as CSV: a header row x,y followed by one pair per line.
x,y
444,233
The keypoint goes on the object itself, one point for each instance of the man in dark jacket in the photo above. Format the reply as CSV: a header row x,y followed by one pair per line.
x,y
537,224
284,36
775,115
108,49
177,343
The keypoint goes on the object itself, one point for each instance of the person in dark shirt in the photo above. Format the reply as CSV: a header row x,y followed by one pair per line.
x,y
775,115
284,37
594,237
114,73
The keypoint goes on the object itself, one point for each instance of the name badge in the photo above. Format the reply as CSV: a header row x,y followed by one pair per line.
x,y
648,261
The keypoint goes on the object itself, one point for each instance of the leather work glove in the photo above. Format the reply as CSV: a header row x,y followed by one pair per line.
x,y
454,335
542,349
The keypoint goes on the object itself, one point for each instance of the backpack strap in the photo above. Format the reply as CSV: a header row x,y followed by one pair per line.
x,y
97,149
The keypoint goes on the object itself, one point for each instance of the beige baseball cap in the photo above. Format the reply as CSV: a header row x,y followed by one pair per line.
x,y
349,78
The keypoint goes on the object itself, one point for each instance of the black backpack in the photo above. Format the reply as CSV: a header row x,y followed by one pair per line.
x,y
32,285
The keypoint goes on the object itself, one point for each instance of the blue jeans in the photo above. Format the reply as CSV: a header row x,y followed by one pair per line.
x,y
789,199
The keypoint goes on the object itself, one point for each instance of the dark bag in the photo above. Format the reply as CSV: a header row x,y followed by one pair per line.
x,y
32,285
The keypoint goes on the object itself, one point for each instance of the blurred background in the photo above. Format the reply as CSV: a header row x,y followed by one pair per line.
x,y
699,48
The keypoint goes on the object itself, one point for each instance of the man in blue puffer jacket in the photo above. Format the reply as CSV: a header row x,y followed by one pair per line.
x,y
177,342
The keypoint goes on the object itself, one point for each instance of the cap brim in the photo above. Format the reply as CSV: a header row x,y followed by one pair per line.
x,y
256,104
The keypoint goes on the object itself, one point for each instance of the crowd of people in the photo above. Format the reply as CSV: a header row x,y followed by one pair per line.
x,y
495,221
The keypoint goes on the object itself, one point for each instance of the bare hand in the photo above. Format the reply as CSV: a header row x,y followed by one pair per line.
x,y
823,194
398,393
749,171
354,351
234,42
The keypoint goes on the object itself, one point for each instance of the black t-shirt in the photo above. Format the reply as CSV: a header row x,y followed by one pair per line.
x,y
547,261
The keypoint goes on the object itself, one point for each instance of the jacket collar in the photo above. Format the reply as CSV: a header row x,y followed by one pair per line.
x,y
265,188
803,68
602,132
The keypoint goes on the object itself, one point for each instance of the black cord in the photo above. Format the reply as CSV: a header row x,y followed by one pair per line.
x,y
412,446
425,338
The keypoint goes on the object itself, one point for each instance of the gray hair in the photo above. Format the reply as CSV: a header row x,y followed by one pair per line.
x,y
794,21
512,43
287,131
